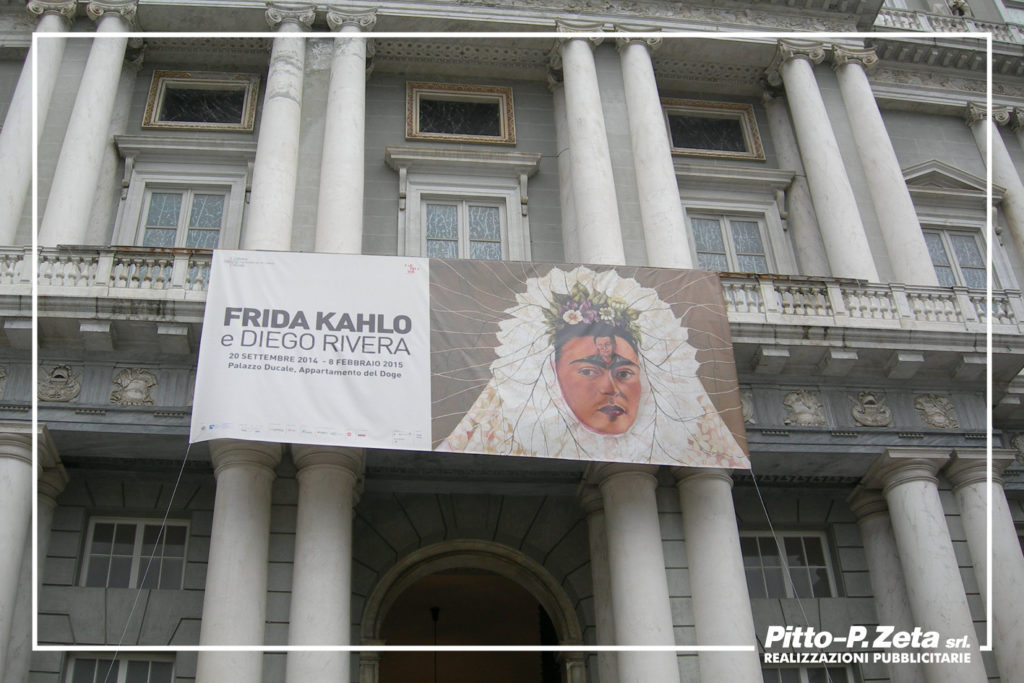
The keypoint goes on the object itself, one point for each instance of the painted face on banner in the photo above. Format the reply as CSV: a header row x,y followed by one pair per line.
x,y
600,380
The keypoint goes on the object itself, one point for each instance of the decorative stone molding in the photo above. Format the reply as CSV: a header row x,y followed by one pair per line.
x,y
280,13
805,409
902,465
865,502
132,387
127,9
937,411
60,383
65,9
867,57
788,50
339,16
747,405
1017,441
3,379
977,112
870,410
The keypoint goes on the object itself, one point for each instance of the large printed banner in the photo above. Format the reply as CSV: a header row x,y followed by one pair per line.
x,y
621,364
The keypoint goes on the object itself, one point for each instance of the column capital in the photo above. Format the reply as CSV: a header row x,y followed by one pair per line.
x,y
867,57
226,453
686,475
902,465
600,473
570,27
65,9
590,498
309,459
970,466
300,13
976,111
16,443
788,50
865,502
1017,118
126,9
340,16
621,41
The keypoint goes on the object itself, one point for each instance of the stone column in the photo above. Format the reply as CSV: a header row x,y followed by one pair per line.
x,y
661,212
590,500
268,223
321,609
887,580
593,185
721,603
936,593
339,216
968,472
16,516
636,564
908,253
235,602
73,191
842,231
1004,173
570,231
16,135
800,218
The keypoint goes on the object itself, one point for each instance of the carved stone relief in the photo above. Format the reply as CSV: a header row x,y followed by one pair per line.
x,y
3,380
59,383
1017,442
937,411
870,410
132,387
747,404
804,409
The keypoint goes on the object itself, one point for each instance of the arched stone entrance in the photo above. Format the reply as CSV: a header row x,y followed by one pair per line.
x,y
485,557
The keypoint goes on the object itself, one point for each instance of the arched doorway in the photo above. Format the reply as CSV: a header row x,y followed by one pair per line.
x,y
487,594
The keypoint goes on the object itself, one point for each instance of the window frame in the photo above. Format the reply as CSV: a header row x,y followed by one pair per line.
x,y
457,92
738,111
137,558
122,671
730,244
944,233
778,537
182,228
463,202
201,80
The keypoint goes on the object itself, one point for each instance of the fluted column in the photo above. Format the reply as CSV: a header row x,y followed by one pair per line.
x,y
968,472
936,592
721,602
272,200
1004,173
901,230
604,619
661,212
73,191
235,601
16,135
842,231
339,216
15,519
801,221
570,231
321,609
888,583
593,185
636,564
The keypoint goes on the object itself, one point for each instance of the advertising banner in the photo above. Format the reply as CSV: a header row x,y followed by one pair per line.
x,y
604,363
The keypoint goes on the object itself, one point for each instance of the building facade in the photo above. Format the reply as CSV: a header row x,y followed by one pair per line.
x,y
832,168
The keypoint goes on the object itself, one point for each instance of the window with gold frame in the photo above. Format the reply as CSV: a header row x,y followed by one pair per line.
x,y
459,113
197,100
712,129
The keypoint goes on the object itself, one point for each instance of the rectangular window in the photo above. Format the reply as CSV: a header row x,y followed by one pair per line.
x,y
459,113
730,244
787,565
191,100
87,670
463,229
190,218
135,554
831,674
712,129
958,258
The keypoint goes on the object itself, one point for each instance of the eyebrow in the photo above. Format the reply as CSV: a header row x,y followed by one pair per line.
x,y
617,361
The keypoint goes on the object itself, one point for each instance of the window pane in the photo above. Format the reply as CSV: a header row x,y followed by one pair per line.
x,y
174,541
124,539
159,237
120,572
707,235
769,551
150,536
837,675
460,118
207,211
138,672
700,132
746,236
106,670
714,262
751,264
97,575
794,551
748,546
170,576
485,223
485,250
770,675
776,585
442,249
102,538
442,221
164,209
975,277
936,250
200,105
819,582
149,573
755,584
801,583
790,675
85,669
202,239
945,276
815,551
160,672
966,249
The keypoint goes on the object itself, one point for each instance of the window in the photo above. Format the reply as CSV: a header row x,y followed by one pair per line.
x,y
122,670
712,129
787,565
183,218
730,244
958,257
459,113
124,553
831,674
186,100
463,229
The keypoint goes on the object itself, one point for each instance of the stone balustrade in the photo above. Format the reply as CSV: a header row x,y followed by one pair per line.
x,y
908,20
